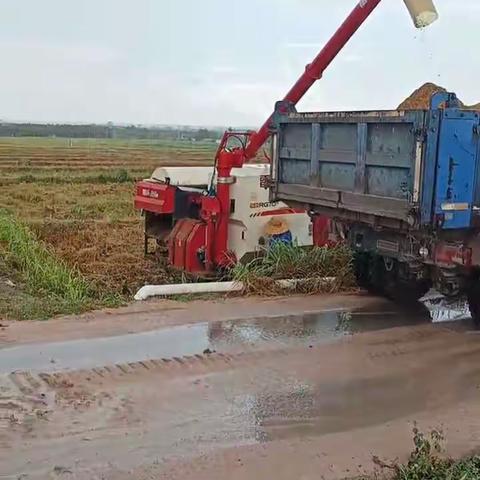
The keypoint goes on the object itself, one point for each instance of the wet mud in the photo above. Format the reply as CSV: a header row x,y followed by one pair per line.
x,y
310,395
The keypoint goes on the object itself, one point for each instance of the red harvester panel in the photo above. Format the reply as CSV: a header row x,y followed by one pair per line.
x,y
195,243
155,197
321,231
185,240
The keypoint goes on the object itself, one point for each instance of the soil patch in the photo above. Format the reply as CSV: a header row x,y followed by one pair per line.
x,y
108,254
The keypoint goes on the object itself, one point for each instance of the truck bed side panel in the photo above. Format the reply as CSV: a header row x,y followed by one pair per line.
x,y
358,161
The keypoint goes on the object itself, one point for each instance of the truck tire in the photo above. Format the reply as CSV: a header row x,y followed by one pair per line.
x,y
369,273
407,294
373,276
473,297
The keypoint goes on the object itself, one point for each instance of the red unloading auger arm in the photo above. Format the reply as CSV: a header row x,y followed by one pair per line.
x,y
314,71
423,13
228,158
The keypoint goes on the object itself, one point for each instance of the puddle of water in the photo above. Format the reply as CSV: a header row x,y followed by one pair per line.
x,y
79,354
227,336
302,408
307,328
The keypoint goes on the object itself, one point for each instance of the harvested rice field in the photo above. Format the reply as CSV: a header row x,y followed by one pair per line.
x,y
76,198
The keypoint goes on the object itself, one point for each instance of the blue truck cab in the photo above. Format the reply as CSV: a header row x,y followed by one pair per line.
x,y
401,187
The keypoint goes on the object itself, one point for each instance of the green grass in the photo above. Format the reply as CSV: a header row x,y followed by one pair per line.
x,y
102,145
426,462
26,305
109,142
49,286
40,269
286,261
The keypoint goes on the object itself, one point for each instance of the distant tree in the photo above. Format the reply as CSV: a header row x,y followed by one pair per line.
x,y
205,134
104,131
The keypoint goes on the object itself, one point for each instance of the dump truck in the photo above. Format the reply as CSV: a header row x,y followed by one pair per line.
x,y
402,187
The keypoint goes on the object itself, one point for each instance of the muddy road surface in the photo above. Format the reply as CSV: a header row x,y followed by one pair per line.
x,y
288,388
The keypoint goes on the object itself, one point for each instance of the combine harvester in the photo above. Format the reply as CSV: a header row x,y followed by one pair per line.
x,y
203,223
208,219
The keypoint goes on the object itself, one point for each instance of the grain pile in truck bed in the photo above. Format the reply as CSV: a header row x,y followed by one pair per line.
x,y
420,98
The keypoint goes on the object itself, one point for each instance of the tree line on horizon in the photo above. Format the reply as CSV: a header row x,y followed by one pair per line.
x,y
106,131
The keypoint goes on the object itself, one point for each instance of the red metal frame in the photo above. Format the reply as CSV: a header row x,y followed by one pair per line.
x,y
449,254
184,244
226,159
210,211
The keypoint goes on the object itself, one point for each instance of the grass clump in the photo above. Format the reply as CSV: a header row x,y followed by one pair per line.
x,y
120,176
426,462
39,268
310,265
51,287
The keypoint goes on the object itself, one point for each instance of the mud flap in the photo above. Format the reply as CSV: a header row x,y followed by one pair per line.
x,y
473,298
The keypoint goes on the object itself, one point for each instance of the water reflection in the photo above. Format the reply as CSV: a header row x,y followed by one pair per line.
x,y
303,329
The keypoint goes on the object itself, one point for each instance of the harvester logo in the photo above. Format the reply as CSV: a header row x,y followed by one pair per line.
x,y
276,212
362,3
146,192
263,205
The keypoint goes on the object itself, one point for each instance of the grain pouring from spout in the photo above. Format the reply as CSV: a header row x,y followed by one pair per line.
x,y
423,12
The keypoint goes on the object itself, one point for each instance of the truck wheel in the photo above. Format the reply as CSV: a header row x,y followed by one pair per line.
x,y
373,276
407,294
369,273
473,298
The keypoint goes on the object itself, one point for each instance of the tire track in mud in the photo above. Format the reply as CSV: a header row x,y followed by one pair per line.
x,y
24,399
23,393
188,365
29,399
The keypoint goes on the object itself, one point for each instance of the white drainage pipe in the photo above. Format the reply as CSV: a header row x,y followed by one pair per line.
x,y
187,288
210,287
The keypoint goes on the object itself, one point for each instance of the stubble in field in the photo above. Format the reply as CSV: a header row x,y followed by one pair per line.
x,y
77,198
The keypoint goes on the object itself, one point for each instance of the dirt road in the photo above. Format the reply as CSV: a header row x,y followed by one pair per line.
x,y
263,392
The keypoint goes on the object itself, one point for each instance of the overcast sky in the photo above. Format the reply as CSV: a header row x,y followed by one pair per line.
x,y
217,62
